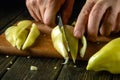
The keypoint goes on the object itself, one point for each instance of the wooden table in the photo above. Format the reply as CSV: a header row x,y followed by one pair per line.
x,y
13,67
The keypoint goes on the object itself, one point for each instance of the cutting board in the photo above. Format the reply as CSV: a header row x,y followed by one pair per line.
x,y
43,47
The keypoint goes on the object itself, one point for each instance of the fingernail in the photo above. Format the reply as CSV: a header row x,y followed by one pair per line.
x,y
77,34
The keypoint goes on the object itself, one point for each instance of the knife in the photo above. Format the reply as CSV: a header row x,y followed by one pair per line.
x,y
60,24
72,42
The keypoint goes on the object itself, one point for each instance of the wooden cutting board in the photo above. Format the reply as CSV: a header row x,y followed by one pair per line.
x,y
43,48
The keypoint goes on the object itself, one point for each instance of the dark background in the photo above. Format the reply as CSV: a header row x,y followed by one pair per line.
x,y
11,3
7,5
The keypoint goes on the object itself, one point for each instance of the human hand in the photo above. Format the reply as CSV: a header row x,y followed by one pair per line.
x,y
98,17
45,11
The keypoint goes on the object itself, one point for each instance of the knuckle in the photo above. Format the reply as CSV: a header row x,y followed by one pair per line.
x,y
51,1
32,2
27,3
98,8
49,22
95,12
90,0
85,12
40,1
87,8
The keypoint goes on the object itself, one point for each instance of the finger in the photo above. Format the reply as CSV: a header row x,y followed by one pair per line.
x,y
117,28
49,17
44,28
41,7
105,27
37,11
108,23
67,10
101,39
51,11
95,17
29,5
42,10
33,15
82,20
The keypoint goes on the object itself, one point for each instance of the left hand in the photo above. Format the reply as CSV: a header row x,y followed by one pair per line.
x,y
98,17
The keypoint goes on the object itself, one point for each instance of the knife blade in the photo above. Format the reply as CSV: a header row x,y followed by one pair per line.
x,y
60,24
71,41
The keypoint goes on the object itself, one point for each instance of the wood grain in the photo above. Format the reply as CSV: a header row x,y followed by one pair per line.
x,y
43,48
78,72
5,63
48,69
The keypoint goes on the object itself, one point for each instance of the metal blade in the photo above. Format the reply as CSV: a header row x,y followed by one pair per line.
x,y
59,19
60,24
70,40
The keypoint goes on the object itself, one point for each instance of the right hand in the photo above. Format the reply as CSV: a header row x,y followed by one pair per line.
x,y
45,11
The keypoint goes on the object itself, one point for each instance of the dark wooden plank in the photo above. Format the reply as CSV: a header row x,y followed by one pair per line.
x,y
71,72
116,77
48,69
79,72
5,62
103,75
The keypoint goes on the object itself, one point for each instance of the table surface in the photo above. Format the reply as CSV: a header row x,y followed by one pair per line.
x,y
13,67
